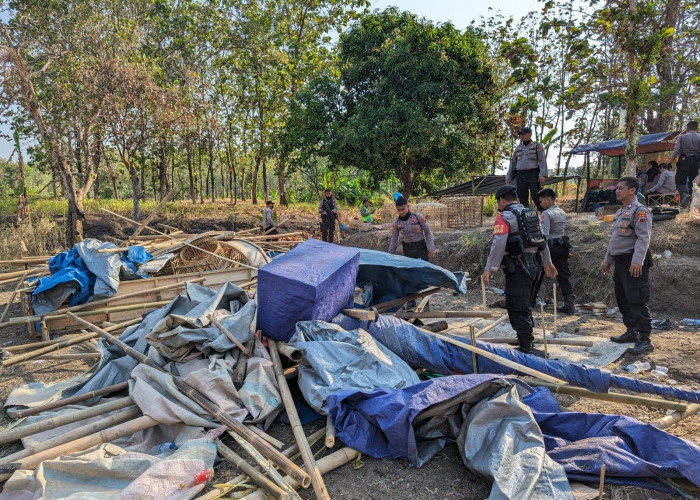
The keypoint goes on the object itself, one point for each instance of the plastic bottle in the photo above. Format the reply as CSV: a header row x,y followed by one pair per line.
x,y
202,477
659,372
166,447
632,367
667,254
690,322
644,366
662,369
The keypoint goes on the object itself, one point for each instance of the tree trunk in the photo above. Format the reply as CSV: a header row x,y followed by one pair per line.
x,y
211,170
190,171
254,182
199,169
407,180
266,193
135,187
162,172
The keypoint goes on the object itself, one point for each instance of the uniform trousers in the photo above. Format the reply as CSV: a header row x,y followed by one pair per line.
x,y
416,250
520,292
327,228
632,294
528,184
687,171
560,258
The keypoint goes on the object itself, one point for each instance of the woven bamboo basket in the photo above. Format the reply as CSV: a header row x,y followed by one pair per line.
x,y
464,211
190,260
435,213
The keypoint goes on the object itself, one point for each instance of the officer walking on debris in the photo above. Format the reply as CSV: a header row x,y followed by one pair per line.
x,y
519,246
328,208
554,231
416,236
528,167
629,250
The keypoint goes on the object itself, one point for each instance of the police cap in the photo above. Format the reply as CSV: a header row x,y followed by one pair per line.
x,y
504,189
525,130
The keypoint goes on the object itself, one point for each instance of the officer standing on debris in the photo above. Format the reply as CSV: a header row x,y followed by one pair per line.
x,y
268,223
687,152
528,168
328,208
629,250
518,246
554,231
416,236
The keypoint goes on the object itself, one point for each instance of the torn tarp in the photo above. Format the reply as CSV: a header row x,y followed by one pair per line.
x,y
496,434
384,277
83,274
336,359
422,350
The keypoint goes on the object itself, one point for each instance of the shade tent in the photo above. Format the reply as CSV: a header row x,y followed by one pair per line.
x,y
649,143
487,185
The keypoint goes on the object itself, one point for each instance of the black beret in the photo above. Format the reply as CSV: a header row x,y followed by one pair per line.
x,y
504,189
525,130
401,201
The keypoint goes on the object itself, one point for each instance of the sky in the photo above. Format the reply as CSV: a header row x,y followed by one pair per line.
x,y
461,14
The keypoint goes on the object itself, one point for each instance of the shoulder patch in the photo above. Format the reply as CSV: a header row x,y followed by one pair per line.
x,y
500,227
642,216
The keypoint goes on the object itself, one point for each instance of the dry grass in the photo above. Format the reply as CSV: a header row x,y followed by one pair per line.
x,y
43,237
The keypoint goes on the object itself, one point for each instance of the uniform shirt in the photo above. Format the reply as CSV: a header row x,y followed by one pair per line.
x,y
665,184
553,222
631,233
527,157
267,217
506,223
416,228
366,214
687,143
330,202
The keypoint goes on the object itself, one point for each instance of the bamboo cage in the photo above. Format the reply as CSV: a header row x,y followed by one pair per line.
x,y
435,213
464,211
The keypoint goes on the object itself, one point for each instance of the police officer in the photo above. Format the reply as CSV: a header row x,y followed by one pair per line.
x,y
629,250
328,208
268,222
528,167
521,260
554,231
687,152
366,212
416,236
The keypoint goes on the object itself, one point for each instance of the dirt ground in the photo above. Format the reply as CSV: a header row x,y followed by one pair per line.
x,y
673,297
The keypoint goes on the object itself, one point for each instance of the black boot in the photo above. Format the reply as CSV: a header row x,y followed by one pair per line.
x,y
642,345
569,305
628,336
528,349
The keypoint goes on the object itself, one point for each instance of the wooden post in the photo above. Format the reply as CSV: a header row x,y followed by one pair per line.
x,y
601,482
297,429
544,332
12,297
330,433
444,314
265,448
361,314
483,293
472,334
566,341
554,293
68,401
384,306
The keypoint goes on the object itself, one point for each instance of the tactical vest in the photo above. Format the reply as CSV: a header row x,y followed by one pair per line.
x,y
529,232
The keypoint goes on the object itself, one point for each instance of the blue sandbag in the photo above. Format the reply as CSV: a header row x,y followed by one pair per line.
x,y
315,280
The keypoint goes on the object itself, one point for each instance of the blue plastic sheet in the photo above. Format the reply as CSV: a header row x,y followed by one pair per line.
x,y
422,350
315,280
392,276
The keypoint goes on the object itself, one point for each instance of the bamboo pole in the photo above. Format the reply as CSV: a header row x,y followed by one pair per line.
x,y
229,335
444,314
254,474
123,415
39,259
290,352
675,417
325,465
472,334
70,357
266,236
29,275
104,436
63,344
51,316
12,297
279,224
224,488
186,243
491,326
17,433
483,293
497,359
556,325
36,345
563,341
152,215
601,482
544,333
614,397
13,275
68,401
390,304
330,433
297,429
241,368
273,441
361,314
265,448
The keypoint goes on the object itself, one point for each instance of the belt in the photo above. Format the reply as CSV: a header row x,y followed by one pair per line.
x,y
527,171
413,244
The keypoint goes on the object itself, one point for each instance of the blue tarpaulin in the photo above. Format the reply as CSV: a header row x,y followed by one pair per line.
x,y
382,423
422,350
393,276
649,143
314,280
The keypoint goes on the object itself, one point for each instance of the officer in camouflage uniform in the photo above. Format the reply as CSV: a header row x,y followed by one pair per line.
x,y
528,167
554,230
629,250
522,268
416,236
